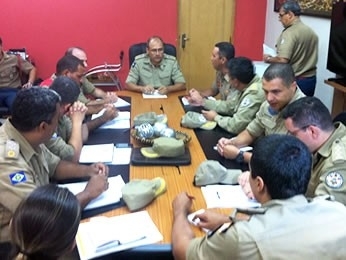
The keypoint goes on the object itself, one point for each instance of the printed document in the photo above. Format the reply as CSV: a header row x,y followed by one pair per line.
x,y
121,103
156,94
227,196
122,121
111,196
97,153
105,235
268,50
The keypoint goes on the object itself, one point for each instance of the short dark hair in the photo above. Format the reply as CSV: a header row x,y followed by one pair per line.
x,y
45,224
291,6
226,50
33,106
67,88
156,38
284,164
309,111
68,62
283,71
241,68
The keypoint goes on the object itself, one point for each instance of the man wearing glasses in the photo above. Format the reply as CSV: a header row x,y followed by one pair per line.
x,y
298,46
155,70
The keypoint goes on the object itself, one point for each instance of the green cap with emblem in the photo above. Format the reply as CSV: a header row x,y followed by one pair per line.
x,y
196,120
164,147
139,193
150,118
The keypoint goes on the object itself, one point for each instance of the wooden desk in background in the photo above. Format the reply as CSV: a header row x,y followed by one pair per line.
x,y
178,178
339,98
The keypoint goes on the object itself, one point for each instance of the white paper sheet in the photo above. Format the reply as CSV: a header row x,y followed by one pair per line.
x,y
122,121
121,156
268,50
110,196
135,229
121,103
154,95
227,196
97,153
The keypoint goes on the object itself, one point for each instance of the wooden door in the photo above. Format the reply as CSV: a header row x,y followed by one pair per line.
x,y
204,23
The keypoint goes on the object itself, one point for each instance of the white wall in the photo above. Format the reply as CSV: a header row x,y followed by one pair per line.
x,y
321,26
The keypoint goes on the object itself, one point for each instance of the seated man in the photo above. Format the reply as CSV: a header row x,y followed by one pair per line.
x,y
286,226
155,70
11,67
67,141
88,88
280,89
220,55
26,163
236,113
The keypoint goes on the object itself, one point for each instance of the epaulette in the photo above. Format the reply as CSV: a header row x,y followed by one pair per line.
x,y
141,56
11,149
338,152
169,57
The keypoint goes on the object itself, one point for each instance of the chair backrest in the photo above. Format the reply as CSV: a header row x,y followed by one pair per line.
x,y
139,48
341,118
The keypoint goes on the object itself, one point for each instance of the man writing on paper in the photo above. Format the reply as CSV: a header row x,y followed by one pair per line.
x,y
155,70
26,163
287,224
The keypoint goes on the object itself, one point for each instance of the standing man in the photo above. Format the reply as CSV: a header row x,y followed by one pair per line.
x,y
221,54
236,113
286,226
155,70
11,67
280,89
298,46
26,163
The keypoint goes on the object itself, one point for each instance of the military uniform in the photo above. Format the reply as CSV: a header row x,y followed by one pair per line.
x,y
221,86
299,44
144,73
289,229
241,108
269,122
329,169
22,169
9,71
58,144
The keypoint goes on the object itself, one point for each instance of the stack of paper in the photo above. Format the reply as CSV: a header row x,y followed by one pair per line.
x,y
122,121
156,94
121,103
102,235
111,196
97,153
227,196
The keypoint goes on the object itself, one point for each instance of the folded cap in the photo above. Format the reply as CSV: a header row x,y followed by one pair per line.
x,y
164,147
148,117
139,193
196,120
212,172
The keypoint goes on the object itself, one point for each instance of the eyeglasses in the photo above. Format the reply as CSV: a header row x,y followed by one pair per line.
x,y
281,14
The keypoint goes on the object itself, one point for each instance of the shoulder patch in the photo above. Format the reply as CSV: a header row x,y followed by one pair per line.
x,y
17,177
245,102
334,180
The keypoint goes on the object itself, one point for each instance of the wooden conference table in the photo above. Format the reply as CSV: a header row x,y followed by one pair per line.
x,y
178,178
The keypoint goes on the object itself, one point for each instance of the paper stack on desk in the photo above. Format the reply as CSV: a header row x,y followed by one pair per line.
x,y
156,94
111,196
97,153
122,121
103,235
227,196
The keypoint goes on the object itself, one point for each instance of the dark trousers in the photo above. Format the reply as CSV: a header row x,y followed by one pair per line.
x,y
307,85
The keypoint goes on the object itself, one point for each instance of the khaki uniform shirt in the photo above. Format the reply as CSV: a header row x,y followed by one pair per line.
x,y
329,169
222,86
265,123
299,44
58,144
245,105
144,73
9,71
289,229
21,174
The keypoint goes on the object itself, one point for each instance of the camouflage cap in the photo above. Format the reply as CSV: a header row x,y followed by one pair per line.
x,y
196,120
164,147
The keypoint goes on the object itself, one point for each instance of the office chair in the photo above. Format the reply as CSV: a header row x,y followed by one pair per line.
x,y
139,48
341,118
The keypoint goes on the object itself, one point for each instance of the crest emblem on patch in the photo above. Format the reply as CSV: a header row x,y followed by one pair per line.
x,y
334,180
17,177
245,103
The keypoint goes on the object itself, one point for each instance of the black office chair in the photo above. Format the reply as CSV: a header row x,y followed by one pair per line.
x,y
341,118
140,48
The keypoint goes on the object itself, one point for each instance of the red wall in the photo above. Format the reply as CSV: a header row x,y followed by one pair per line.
x,y
104,28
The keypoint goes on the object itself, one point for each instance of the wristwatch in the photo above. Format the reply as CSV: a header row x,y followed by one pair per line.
x,y
240,157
